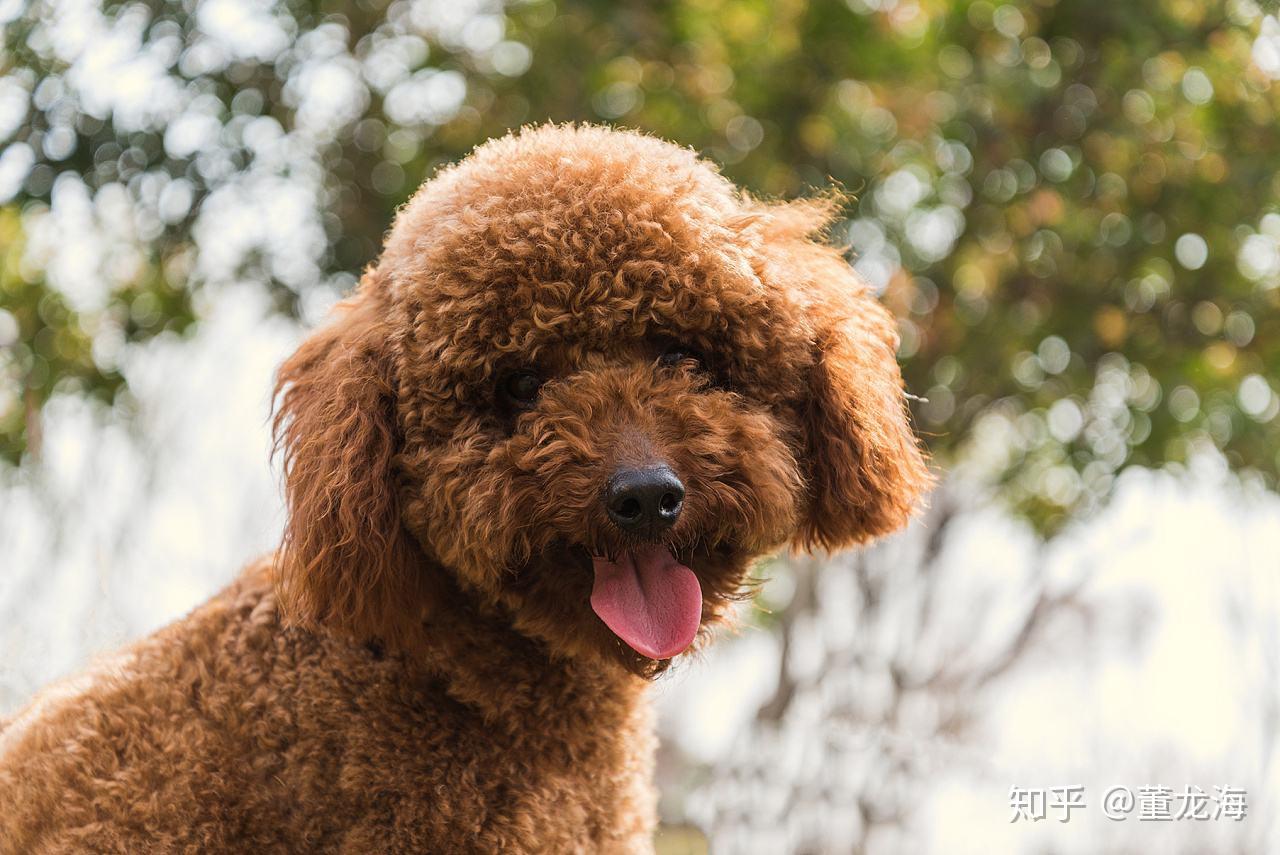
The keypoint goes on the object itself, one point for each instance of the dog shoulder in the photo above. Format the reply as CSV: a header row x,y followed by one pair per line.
x,y
104,742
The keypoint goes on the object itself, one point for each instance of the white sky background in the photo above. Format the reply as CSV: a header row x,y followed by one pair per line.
x,y
120,532
1172,682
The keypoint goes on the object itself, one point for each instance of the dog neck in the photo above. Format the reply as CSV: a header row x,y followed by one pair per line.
x,y
507,676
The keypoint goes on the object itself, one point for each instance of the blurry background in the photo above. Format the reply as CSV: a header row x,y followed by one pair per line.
x,y
1073,207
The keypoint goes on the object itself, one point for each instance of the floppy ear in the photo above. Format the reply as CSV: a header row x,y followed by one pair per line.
x,y
346,560
867,471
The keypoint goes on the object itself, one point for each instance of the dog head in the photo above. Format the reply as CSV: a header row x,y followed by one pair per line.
x,y
592,381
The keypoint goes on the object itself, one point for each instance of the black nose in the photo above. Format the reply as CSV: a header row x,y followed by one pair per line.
x,y
644,501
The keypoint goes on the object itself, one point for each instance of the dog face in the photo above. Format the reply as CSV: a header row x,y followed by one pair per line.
x,y
590,381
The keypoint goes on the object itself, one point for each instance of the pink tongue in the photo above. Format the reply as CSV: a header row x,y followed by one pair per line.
x,y
649,600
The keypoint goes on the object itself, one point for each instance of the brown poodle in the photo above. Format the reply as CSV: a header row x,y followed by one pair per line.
x,y
529,462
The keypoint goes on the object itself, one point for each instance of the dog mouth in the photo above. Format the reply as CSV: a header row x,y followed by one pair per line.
x,y
651,601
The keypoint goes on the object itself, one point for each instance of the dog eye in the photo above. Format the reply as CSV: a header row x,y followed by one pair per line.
x,y
677,354
520,388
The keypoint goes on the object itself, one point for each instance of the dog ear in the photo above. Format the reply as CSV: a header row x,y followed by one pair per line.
x,y
345,560
867,471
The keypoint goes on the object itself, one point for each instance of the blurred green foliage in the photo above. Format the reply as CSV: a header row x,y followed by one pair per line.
x,y
1074,207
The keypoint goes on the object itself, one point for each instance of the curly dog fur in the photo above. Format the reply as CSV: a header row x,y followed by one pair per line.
x,y
425,665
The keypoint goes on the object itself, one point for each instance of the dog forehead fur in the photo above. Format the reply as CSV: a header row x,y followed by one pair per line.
x,y
579,237
418,668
